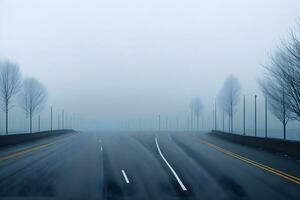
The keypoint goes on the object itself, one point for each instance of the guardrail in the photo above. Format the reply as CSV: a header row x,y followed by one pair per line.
x,y
291,148
10,140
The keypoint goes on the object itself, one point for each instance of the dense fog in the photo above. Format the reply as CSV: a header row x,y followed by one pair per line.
x,y
119,65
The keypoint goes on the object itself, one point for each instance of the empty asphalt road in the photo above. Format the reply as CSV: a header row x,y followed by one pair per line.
x,y
138,166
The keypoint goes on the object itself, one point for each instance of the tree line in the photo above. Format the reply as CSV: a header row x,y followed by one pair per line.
x,y
227,100
28,93
280,84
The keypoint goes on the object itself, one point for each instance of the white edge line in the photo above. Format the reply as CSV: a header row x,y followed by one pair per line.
x,y
173,171
125,176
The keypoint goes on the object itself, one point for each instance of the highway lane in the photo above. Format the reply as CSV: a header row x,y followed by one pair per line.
x,y
237,178
146,166
69,169
146,177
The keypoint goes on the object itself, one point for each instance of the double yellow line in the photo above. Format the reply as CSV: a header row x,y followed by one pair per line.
x,y
20,153
254,163
32,149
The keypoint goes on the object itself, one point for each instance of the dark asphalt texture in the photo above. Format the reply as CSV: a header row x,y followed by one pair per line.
x,y
96,166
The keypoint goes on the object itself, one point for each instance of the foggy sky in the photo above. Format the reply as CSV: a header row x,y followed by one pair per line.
x,y
116,60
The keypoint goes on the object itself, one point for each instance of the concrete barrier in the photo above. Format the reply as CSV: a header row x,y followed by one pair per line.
x,y
10,140
291,148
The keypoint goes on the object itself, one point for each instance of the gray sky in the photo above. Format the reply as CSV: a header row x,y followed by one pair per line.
x,y
119,59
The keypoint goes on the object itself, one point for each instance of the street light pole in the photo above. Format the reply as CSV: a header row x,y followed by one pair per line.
x,y
255,116
58,121
216,115
66,121
192,119
166,123
266,117
223,121
63,119
51,119
39,123
159,122
244,115
213,119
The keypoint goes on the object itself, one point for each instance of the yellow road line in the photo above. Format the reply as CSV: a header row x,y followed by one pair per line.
x,y
20,153
32,149
254,163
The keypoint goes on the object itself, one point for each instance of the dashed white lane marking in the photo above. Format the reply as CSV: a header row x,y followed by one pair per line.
x,y
172,170
101,148
125,176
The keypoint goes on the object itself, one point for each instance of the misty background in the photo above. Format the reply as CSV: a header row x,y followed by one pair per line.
x,y
116,64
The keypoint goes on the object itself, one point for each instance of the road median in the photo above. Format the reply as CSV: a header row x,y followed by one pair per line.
x,y
287,147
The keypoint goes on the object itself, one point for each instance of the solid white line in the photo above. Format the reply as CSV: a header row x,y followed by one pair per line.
x,y
173,171
125,176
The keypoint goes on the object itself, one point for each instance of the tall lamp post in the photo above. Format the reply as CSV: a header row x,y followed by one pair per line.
x,y
244,114
223,122
216,125
63,119
159,122
255,116
51,120
266,117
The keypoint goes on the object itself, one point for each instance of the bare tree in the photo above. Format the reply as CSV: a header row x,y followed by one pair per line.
x,y
10,84
275,89
33,97
196,107
284,73
230,94
286,65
